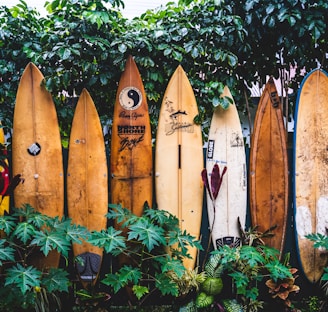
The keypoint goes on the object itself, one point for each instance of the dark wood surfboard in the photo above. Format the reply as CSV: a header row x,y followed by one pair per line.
x,y
269,168
131,145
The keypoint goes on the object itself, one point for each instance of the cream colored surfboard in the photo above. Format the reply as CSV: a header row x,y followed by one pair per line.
x,y
179,158
37,152
87,183
311,171
226,149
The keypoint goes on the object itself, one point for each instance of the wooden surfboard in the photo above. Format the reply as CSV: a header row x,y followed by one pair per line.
x,y
226,149
131,144
311,171
37,152
4,174
269,169
87,183
179,158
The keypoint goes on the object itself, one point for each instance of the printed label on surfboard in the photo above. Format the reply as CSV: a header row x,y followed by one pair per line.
x,y
228,240
130,136
210,149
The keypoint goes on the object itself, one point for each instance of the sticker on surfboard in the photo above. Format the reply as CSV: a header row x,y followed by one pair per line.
x,y
130,98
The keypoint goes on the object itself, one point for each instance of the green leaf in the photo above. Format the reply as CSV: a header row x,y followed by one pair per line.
x,y
24,231
111,240
56,280
116,212
74,233
7,253
7,224
325,275
251,255
320,240
140,291
148,234
65,53
241,281
278,270
121,278
161,217
183,240
129,274
168,264
50,240
165,285
24,278
204,300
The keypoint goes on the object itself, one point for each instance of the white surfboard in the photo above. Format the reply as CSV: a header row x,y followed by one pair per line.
x,y
226,149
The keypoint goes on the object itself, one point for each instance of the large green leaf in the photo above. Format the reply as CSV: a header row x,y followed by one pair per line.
x,y
7,253
7,224
25,278
278,270
166,286
121,278
148,234
56,280
251,255
24,231
111,240
168,264
50,240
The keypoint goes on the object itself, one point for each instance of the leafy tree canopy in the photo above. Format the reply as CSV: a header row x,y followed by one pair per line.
x,y
84,44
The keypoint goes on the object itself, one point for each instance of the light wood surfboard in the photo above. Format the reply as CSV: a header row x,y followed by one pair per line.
x,y
311,171
131,146
226,149
179,158
87,183
4,175
37,152
269,169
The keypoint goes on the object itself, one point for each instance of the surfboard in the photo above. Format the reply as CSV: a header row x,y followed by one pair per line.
x,y
87,184
4,174
37,152
310,174
131,144
268,173
179,158
226,149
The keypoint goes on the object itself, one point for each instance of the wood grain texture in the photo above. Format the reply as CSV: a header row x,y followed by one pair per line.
x,y
311,171
37,151
87,178
179,158
226,148
131,146
269,168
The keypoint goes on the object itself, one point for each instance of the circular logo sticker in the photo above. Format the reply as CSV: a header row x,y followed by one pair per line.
x,y
130,98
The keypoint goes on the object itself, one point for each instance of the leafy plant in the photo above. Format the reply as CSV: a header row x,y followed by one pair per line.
x,y
321,241
151,248
281,288
26,233
248,267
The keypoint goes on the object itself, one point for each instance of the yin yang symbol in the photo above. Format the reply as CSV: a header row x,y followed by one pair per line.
x,y
130,98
